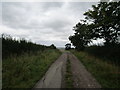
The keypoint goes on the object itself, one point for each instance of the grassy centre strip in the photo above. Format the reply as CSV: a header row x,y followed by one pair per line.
x,y
68,76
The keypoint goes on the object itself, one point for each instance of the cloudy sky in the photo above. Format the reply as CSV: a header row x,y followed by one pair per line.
x,y
42,22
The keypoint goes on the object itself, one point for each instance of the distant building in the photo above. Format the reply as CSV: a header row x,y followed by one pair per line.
x,y
67,46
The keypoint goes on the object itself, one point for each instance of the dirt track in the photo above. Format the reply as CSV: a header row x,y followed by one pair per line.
x,y
54,77
82,78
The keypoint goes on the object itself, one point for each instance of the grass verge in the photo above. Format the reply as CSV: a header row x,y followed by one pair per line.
x,y
68,76
107,74
24,71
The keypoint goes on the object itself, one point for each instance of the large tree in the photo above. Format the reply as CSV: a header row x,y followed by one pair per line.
x,y
81,36
105,21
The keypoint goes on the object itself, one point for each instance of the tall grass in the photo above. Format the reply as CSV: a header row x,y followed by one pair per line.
x,y
25,70
107,74
109,53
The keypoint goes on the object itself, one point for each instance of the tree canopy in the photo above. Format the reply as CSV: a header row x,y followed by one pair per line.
x,y
81,37
102,21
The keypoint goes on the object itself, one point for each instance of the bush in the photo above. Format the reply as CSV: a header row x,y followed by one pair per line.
x,y
11,46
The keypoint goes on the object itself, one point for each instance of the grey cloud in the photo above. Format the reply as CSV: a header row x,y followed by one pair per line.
x,y
83,6
21,15
0,13
50,5
57,24
44,22
56,43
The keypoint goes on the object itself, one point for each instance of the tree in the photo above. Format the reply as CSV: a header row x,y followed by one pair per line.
x,y
52,46
68,46
105,21
81,36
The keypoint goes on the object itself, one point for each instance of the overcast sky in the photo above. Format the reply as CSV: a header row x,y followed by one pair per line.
x,y
42,22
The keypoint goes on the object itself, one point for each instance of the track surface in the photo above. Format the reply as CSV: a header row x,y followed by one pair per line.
x,y
54,77
82,78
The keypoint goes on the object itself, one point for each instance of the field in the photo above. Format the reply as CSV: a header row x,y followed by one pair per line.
x,y
25,70
107,74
